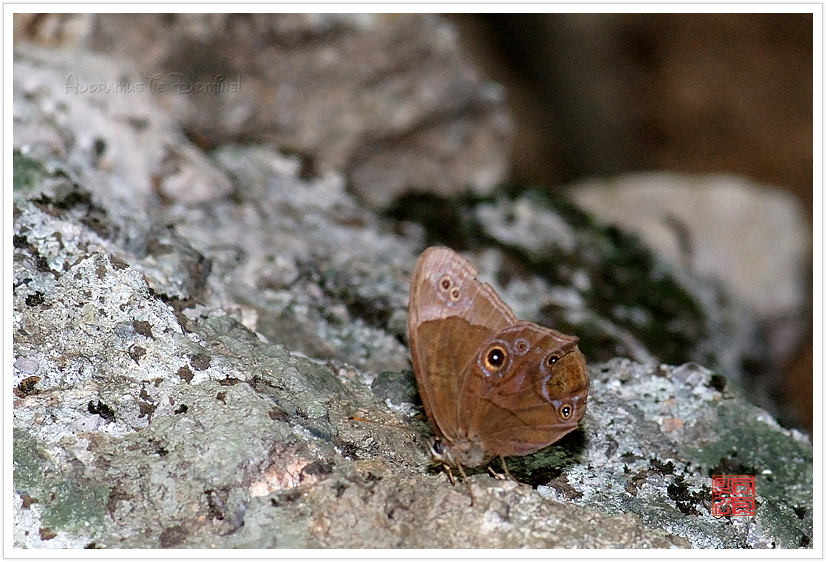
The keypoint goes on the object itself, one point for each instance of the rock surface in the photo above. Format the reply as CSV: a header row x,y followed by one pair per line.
x,y
233,371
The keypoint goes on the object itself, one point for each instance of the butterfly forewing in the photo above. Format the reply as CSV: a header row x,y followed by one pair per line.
x,y
444,284
450,315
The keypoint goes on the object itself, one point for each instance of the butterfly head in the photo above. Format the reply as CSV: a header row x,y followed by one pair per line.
x,y
467,452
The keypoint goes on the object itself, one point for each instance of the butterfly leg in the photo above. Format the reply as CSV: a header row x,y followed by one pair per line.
x,y
496,474
465,478
449,474
505,475
505,466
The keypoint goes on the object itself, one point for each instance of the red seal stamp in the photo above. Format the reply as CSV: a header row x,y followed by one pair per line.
x,y
732,495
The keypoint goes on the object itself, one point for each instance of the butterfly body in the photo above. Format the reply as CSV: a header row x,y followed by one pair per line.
x,y
491,385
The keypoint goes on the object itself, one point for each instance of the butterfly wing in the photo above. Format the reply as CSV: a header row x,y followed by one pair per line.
x,y
526,388
451,314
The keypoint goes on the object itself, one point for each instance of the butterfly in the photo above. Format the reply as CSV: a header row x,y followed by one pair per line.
x,y
492,385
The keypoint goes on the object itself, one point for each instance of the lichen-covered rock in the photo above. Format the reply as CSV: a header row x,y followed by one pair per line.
x,y
152,423
656,435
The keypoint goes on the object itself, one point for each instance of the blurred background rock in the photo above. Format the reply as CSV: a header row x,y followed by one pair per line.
x,y
601,95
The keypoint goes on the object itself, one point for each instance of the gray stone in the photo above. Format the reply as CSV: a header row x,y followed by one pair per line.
x,y
751,237
27,365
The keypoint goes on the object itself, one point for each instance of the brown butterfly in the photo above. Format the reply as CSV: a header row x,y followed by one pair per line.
x,y
492,385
